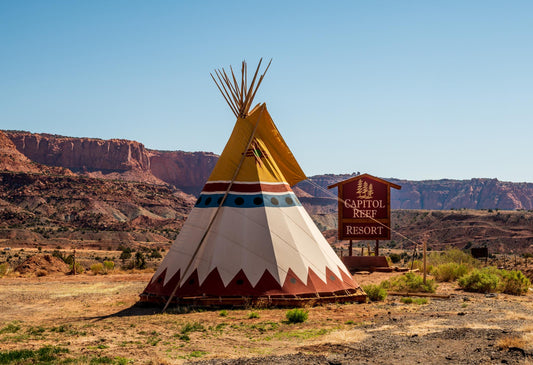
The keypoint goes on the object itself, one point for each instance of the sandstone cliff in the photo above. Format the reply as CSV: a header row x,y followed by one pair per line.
x,y
438,194
80,154
116,159
12,159
129,160
187,171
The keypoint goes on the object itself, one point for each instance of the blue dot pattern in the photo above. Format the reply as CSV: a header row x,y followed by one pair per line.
x,y
248,201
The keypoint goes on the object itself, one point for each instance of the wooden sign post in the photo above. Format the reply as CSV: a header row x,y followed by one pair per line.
x,y
364,209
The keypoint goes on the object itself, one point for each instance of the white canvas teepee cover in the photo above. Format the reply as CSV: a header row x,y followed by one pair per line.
x,y
260,242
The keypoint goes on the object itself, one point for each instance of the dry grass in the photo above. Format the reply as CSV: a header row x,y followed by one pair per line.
x,y
84,315
508,342
94,316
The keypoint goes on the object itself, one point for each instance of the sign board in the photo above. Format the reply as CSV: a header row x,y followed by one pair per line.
x,y
364,208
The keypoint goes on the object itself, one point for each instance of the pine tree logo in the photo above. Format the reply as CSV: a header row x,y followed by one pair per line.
x,y
365,190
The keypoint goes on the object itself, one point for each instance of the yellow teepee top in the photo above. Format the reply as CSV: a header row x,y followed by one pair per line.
x,y
267,159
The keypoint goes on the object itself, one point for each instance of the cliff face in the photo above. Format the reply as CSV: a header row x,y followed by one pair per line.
x,y
80,154
457,194
11,159
440,194
129,160
116,159
187,170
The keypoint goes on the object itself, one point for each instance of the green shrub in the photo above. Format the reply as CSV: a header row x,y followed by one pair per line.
x,y
452,255
79,268
59,255
450,271
140,261
419,264
4,269
375,293
418,301
484,280
125,255
410,282
108,266
297,315
223,313
514,282
10,328
192,327
252,315
97,268
395,258
44,355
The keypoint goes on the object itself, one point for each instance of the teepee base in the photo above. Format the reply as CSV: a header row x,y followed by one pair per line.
x,y
357,295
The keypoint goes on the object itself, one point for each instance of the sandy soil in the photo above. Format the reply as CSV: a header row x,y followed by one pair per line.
x,y
96,320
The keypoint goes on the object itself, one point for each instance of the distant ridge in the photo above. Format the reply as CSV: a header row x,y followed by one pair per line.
x,y
117,159
442,194
131,161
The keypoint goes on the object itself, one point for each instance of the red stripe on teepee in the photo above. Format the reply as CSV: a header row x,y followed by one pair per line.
x,y
246,188
213,286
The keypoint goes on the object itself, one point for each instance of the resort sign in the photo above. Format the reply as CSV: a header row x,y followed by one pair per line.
x,y
364,208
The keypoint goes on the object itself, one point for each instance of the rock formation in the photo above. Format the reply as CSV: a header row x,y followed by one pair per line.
x,y
129,160
116,159
439,194
11,159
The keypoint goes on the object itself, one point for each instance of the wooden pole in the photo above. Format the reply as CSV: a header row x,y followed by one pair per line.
x,y
377,247
213,218
425,261
351,247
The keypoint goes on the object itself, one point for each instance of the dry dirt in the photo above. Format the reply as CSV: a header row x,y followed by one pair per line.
x,y
95,318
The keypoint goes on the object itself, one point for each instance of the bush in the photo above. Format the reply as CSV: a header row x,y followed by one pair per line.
x,y
68,259
418,301
252,315
125,255
59,255
484,280
452,255
97,268
297,315
410,282
450,271
419,264
192,327
79,268
4,269
375,292
514,282
108,266
395,258
140,262
44,355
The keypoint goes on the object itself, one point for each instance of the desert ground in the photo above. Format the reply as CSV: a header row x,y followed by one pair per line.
x,y
94,319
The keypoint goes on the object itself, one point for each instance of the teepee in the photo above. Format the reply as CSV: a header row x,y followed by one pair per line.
x,y
248,239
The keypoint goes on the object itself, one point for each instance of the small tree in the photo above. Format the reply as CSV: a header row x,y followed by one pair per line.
x,y
140,261
125,255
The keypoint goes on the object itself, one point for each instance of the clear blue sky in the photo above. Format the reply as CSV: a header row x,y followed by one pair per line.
x,y
406,89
